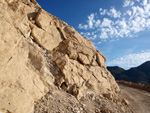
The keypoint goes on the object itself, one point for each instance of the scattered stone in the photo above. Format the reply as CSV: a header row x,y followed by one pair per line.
x,y
108,96
97,110
124,101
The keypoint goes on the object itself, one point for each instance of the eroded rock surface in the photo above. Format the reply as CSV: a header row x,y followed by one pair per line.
x,y
41,54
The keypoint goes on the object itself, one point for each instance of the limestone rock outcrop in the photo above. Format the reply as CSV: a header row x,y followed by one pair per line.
x,y
40,53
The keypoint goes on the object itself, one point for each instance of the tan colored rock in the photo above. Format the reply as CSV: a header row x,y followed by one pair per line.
x,y
21,78
22,65
83,59
125,102
40,53
100,60
43,20
75,71
7,40
108,96
48,40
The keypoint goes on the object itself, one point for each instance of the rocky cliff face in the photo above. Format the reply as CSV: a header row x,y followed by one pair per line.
x,y
42,55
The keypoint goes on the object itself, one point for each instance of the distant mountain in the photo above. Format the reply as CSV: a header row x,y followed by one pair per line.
x,y
115,71
140,74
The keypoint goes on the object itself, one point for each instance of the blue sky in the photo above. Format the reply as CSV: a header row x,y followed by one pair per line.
x,y
120,29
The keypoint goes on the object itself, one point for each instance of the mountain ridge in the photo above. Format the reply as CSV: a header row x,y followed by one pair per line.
x,y
139,74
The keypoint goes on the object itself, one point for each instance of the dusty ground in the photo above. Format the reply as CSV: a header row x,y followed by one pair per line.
x,y
139,99
62,102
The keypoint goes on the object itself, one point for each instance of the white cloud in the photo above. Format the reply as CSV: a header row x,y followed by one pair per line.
x,y
114,13
103,35
83,26
86,34
92,37
121,23
131,60
103,12
128,3
91,20
106,23
144,2
97,23
111,23
99,42
129,12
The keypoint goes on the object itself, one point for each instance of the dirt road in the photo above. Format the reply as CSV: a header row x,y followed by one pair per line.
x,y
139,99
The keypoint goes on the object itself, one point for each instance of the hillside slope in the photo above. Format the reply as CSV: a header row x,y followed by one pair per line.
x,y
43,59
115,71
140,74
